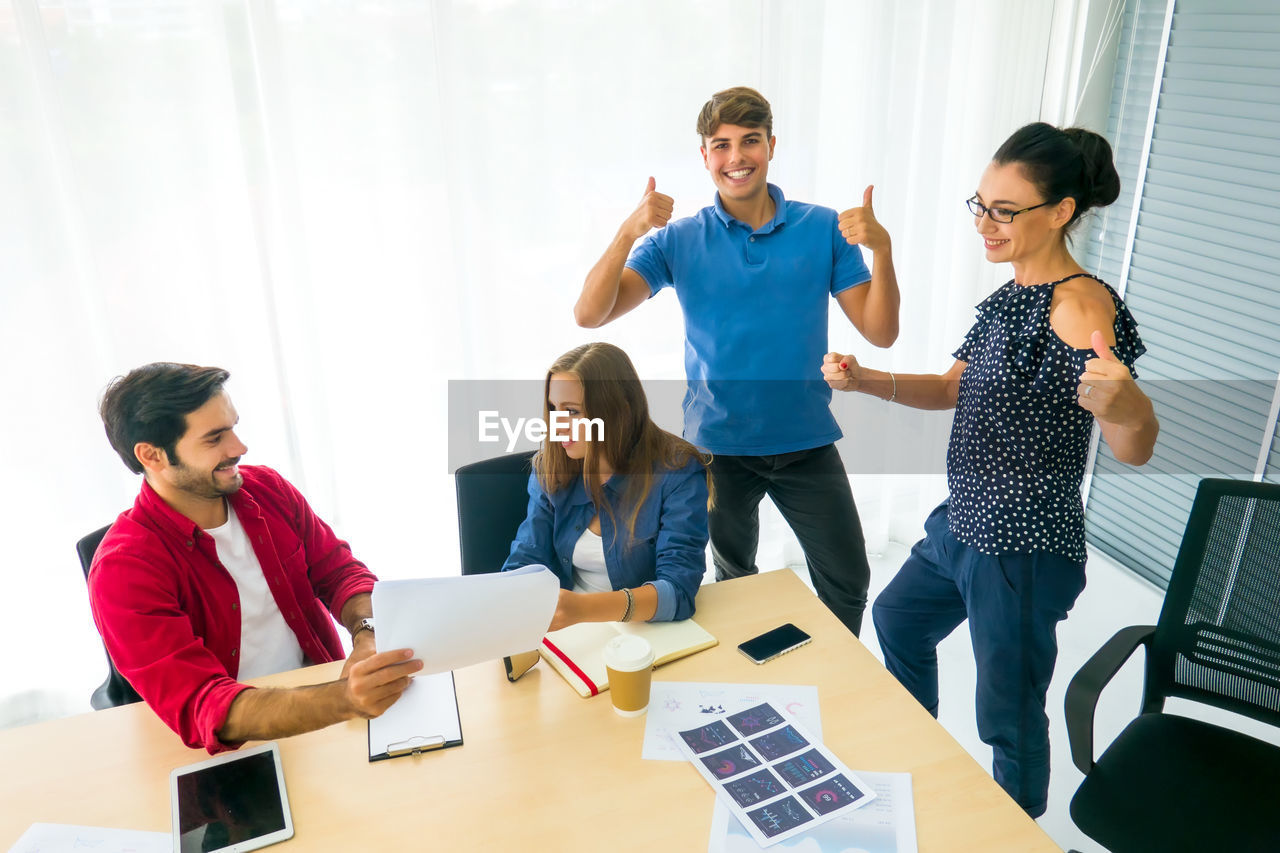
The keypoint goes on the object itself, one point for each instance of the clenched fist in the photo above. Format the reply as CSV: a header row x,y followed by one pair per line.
x,y
842,372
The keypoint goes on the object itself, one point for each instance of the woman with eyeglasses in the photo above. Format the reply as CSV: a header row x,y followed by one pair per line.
x,y
1051,352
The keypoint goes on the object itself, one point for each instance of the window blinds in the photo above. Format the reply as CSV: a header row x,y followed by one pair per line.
x,y
1201,274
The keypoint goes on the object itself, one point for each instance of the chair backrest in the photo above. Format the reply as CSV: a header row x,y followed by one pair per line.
x,y
493,498
115,690
88,546
1218,639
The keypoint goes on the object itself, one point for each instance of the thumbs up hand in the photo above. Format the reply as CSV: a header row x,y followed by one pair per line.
x,y
1107,388
859,225
654,211
1100,348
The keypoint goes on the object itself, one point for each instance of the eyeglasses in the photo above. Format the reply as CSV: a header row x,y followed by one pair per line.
x,y
998,214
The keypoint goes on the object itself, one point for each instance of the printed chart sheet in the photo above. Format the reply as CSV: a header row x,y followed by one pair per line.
x,y
887,825
678,705
774,775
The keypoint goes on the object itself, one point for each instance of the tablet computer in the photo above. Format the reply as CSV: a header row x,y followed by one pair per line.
x,y
230,803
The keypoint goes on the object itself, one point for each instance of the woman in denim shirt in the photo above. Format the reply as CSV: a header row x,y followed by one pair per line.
x,y
617,506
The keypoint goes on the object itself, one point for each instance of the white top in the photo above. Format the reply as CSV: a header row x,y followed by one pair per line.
x,y
589,571
267,643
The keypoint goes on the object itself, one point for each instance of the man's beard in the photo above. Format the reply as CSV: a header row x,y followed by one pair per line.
x,y
204,485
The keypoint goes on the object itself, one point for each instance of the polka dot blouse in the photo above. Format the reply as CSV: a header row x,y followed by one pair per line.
x,y
1019,440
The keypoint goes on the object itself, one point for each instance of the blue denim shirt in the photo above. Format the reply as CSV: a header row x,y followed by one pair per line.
x,y
669,549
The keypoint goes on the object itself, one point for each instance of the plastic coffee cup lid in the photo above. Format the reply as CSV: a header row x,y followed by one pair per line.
x,y
627,653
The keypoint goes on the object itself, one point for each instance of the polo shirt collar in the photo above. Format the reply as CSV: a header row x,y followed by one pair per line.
x,y
779,212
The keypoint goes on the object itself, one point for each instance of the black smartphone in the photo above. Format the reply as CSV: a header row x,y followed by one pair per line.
x,y
771,644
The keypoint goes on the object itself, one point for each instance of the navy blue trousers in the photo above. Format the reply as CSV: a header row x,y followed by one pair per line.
x,y
1014,603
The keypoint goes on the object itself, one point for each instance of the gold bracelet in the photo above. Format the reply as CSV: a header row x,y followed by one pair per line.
x,y
626,616
894,395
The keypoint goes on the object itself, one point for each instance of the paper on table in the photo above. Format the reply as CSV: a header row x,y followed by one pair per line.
x,y
886,825
424,717
678,705
775,775
457,621
57,837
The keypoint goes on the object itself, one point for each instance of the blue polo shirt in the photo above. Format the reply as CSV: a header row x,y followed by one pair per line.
x,y
755,312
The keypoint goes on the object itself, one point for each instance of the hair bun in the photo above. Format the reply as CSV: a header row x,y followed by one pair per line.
x,y
1098,166
1072,163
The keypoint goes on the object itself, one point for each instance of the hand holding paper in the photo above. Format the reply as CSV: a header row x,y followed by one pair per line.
x,y
455,622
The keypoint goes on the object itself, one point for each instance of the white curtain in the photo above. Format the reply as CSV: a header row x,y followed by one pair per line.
x,y
350,203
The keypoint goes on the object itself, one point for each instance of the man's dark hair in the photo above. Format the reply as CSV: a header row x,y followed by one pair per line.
x,y
151,404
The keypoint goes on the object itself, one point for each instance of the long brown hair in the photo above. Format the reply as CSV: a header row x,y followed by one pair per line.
x,y
632,444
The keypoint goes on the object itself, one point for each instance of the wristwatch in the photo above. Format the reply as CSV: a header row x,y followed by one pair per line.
x,y
365,624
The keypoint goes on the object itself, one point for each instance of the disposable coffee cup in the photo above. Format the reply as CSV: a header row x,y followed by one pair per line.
x,y
629,661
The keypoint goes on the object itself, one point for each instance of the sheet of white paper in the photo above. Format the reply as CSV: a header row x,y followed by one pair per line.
x,y
59,837
678,705
886,825
457,621
769,769
425,714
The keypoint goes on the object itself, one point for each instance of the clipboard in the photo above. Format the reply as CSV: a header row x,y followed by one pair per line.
x,y
424,718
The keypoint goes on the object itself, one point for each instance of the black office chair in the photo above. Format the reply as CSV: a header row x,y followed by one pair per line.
x,y
492,501
115,690
1169,782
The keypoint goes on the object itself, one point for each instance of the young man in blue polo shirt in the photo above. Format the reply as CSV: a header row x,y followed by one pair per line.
x,y
754,274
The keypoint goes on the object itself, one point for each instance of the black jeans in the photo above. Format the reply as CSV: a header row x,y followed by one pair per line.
x,y
811,490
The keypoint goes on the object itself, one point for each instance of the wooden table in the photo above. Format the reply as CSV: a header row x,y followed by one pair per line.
x,y
541,769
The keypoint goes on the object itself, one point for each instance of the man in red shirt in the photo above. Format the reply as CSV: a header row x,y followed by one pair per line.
x,y
222,572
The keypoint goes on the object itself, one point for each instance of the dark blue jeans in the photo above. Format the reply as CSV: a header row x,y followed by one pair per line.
x,y
811,490
1014,603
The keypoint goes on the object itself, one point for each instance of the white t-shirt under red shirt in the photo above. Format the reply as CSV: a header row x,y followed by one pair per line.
x,y
267,643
